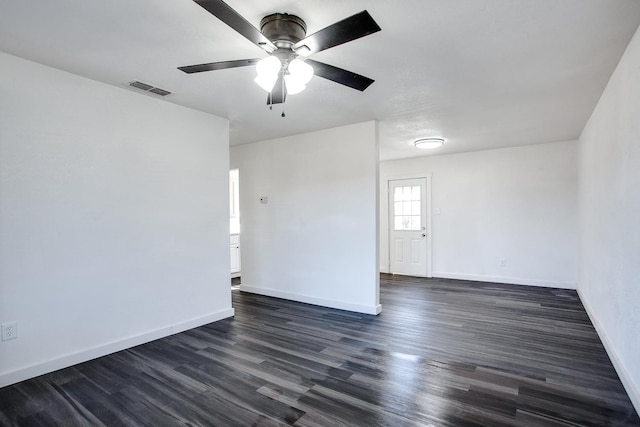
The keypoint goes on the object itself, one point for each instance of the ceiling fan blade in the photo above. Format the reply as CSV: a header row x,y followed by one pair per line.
x,y
211,66
339,75
226,14
278,94
351,28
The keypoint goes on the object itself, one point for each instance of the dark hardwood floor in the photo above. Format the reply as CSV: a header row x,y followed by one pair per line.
x,y
442,353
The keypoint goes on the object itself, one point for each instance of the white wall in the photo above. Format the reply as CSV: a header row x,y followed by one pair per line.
x,y
114,218
315,240
518,204
609,277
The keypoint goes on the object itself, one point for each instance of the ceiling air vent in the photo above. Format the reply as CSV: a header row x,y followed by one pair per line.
x,y
159,91
149,88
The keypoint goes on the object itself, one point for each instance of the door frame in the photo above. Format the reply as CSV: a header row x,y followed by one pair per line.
x,y
428,219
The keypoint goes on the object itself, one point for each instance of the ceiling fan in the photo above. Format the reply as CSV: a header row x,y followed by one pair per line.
x,y
283,37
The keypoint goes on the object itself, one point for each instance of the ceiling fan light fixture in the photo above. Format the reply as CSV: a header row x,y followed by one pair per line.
x,y
268,69
269,65
266,81
294,85
298,75
301,71
428,143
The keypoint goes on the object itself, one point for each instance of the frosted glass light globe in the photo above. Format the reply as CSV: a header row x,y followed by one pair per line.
x,y
301,70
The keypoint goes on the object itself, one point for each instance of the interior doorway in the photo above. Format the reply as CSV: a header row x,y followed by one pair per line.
x,y
410,227
234,224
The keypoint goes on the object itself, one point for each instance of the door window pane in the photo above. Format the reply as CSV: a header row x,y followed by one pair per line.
x,y
398,208
415,192
415,208
406,208
415,222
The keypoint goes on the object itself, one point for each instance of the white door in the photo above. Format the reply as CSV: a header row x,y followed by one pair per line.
x,y
408,227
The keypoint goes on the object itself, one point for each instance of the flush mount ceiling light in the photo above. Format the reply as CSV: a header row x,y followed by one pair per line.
x,y
428,143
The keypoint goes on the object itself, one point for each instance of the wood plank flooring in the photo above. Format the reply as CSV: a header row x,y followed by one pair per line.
x,y
442,353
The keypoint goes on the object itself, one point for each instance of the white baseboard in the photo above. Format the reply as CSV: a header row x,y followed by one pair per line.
x,y
632,389
384,269
340,305
506,280
67,360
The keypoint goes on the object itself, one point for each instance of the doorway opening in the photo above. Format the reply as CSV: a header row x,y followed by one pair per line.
x,y
234,226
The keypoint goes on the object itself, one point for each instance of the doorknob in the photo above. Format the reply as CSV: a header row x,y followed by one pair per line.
x,y
424,234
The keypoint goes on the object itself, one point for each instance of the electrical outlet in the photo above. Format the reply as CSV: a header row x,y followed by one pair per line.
x,y
503,262
9,331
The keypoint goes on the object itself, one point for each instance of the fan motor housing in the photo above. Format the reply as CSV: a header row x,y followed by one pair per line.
x,y
283,29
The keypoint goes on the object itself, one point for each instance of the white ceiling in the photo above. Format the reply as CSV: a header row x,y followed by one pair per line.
x,y
481,74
